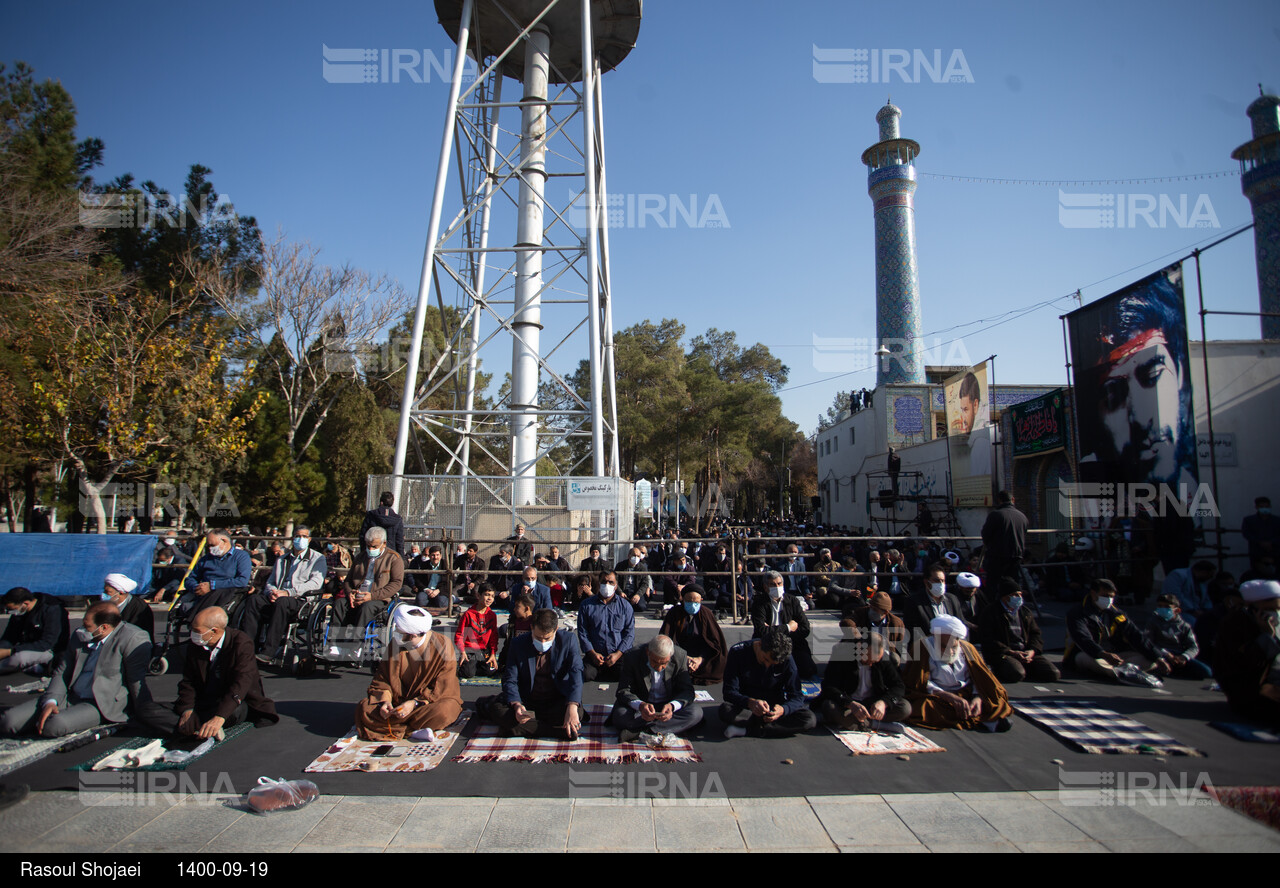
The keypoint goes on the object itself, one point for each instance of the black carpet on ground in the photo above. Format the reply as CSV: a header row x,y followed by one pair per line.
x,y
318,709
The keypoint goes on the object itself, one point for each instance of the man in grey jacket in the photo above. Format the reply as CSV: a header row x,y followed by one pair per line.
x,y
299,573
102,678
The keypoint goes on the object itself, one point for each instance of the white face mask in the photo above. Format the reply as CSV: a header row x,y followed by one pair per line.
x,y
606,590
775,592
406,641
1105,603
217,551
169,541
937,589
634,560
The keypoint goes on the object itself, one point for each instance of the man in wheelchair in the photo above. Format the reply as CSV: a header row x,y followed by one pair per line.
x,y
297,574
374,580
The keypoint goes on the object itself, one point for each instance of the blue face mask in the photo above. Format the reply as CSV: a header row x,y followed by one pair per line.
x,y
1015,604
301,543
1164,613
105,597
543,646
692,607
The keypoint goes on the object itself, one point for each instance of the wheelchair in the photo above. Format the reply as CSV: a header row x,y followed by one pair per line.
x,y
312,641
177,629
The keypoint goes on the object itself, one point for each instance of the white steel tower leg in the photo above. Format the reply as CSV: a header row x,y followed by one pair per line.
x,y
526,324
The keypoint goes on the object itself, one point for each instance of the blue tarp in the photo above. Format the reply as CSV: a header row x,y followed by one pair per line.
x,y
74,563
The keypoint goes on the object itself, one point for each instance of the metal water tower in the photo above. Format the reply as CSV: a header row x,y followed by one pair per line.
x,y
524,257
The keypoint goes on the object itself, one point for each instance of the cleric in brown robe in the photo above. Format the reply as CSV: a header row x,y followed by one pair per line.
x,y
416,687
694,629
949,685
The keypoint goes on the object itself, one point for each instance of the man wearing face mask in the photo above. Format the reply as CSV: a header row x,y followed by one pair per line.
x,y
776,608
951,686
541,684
37,632
117,589
924,607
606,630
375,578
101,678
415,692
792,569
299,573
166,578
1011,639
220,686
1246,654
635,587
694,628
529,585
221,571
1101,637
505,571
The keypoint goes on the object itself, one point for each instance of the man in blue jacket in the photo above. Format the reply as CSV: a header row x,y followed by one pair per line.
x,y
542,683
607,630
762,689
221,571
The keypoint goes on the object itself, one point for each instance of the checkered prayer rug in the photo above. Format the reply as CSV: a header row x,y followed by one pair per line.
x,y
1083,726
15,754
872,743
598,744
353,754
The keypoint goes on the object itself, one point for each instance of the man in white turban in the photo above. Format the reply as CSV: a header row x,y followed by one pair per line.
x,y
1246,654
118,589
949,685
416,688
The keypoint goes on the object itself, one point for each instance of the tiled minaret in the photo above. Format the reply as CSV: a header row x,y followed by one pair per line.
x,y
1260,180
891,182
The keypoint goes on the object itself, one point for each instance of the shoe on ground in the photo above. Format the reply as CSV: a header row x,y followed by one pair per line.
x,y
734,731
626,736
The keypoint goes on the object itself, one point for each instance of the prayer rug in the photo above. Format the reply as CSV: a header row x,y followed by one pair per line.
x,y
353,754
138,742
1262,803
1083,726
1246,732
810,689
598,744
16,754
872,743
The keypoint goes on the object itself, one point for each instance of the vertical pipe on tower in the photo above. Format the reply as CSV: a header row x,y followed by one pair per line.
x,y
526,324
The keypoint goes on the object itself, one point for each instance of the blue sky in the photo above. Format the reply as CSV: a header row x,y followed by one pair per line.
x,y
720,99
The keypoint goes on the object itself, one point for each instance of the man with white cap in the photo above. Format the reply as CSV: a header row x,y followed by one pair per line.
x,y
118,589
1246,653
415,691
968,592
950,686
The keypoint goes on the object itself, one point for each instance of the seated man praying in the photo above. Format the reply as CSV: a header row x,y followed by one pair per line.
x,y
416,689
762,689
950,686
655,695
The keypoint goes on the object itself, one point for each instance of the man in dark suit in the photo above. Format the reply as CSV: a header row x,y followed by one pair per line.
x,y
762,690
117,589
504,582
36,634
529,585
434,588
776,608
655,694
861,684
220,684
923,608
1004,539
102,678
541,684
522,546
1011,641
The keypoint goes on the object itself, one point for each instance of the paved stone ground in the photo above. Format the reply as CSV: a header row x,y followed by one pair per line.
x,y
968,822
